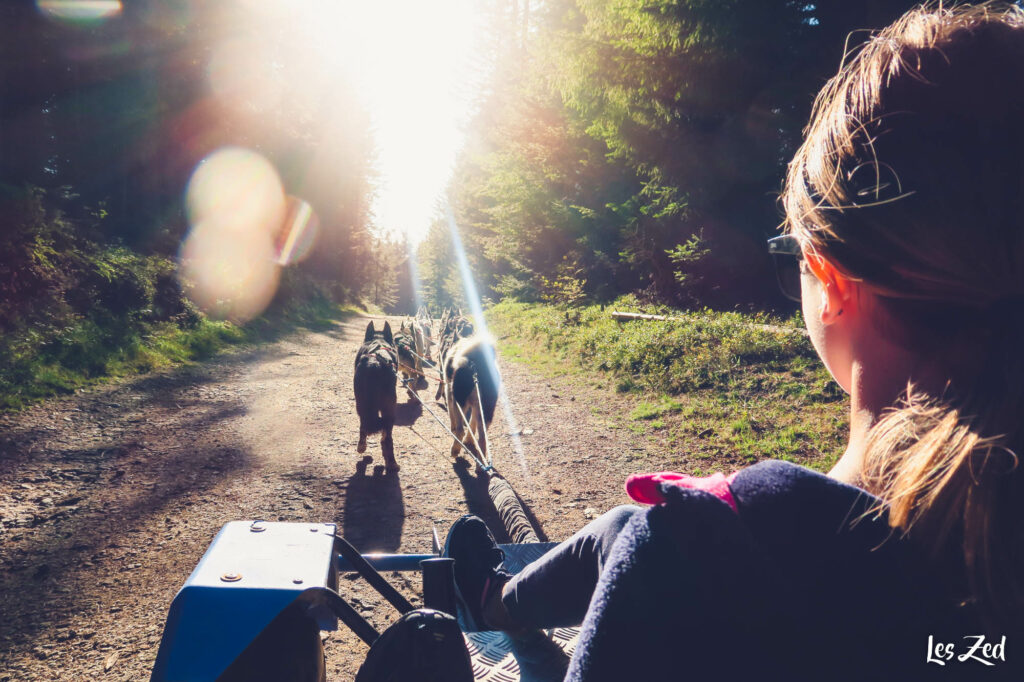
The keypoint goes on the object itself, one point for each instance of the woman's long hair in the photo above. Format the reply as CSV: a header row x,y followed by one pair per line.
x,y
911,182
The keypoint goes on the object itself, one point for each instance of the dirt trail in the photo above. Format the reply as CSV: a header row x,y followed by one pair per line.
x,y
109,498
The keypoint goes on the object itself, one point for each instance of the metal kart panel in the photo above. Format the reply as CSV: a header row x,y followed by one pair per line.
x,y
251,571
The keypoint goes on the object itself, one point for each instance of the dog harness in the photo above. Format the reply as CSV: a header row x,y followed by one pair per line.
x,y
383,351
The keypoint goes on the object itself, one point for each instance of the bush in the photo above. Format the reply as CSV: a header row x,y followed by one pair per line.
x,y
74,309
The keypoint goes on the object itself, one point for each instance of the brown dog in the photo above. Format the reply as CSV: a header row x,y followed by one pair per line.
x,y
408,361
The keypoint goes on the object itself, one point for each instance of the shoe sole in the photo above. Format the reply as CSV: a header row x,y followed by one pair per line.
x,y
463,613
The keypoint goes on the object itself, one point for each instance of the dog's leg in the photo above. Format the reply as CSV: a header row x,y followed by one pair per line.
x,y
471,427
361,448
387,446
388,411
418,340
456,424
442,386
468,436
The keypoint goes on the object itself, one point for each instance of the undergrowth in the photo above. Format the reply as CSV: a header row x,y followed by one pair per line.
x,y
723,387
76,308
86,352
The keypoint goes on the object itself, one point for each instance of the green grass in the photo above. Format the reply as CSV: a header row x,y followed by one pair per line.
x,y
88,353
650,410
712,386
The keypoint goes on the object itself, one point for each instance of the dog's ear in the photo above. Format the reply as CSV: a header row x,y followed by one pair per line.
x,y
387,333
369,332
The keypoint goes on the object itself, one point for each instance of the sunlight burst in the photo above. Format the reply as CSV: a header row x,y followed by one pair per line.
x,y
416,67
476,308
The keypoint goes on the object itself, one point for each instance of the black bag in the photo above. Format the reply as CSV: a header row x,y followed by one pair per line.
x,y
423,645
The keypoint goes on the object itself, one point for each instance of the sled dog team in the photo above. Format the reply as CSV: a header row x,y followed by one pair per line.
x,y
468,382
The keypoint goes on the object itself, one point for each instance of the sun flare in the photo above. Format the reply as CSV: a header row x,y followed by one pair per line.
x,y
416,68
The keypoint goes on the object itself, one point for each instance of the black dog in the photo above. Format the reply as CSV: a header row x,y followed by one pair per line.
x,y
376,398
471,391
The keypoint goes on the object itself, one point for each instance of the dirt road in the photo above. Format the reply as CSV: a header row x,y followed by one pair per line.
x,y
109,498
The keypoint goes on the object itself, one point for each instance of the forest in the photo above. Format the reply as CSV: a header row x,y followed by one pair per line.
x,y
638,146
106,115
618,146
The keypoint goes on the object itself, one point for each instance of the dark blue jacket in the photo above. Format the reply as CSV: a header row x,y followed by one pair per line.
x,y
801,584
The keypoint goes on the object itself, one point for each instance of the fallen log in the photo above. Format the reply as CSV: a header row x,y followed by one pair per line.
x,y
640,316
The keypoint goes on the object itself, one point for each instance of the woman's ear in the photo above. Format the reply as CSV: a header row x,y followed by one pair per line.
x,y
837,290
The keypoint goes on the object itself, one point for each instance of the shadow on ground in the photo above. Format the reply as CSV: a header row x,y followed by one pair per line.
x,y
408,412
59,543
374,512
474,484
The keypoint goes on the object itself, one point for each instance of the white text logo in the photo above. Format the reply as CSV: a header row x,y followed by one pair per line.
x,y
975,648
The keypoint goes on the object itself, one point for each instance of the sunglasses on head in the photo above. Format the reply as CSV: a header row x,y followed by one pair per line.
x,y
787,254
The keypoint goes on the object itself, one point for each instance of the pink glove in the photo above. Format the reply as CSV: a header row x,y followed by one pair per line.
x,y
646,488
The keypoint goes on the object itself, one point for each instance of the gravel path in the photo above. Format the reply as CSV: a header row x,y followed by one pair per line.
x,y
109,498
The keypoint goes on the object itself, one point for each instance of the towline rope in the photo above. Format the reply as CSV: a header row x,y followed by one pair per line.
x,y
416,371
483,419
485,467
428,360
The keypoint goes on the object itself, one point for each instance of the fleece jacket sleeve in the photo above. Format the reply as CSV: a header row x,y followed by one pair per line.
x,y
670,604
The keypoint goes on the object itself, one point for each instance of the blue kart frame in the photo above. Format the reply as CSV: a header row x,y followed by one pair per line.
x,y
261,583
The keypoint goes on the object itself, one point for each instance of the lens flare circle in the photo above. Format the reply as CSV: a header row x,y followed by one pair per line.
x,y
229,260
79,11
226,277
238,189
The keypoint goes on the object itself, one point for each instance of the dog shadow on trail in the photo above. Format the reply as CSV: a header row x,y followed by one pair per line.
x,y
374,511
408,412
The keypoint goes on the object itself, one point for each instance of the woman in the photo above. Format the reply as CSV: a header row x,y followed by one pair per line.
x,y
905,216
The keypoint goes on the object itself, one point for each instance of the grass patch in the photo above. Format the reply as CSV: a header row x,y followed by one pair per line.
x,y
652,409
88,353
729,387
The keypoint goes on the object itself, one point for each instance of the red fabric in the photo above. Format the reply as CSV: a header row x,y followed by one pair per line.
x,y
646,488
